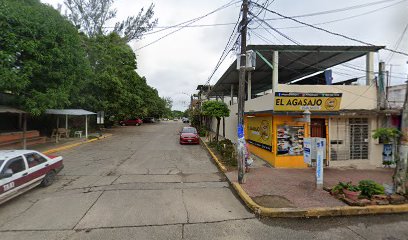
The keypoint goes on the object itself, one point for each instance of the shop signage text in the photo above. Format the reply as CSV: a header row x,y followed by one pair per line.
x,y
259,132
292,101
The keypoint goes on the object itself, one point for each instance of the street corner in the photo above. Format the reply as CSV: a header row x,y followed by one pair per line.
x,y
316,211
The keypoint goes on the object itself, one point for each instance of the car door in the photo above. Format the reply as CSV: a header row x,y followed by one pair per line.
x,y
11,185
37,166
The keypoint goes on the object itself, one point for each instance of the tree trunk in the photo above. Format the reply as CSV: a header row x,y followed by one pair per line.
x,y
218,129
401,169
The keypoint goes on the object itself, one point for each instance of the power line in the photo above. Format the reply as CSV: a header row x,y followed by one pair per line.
x,y
333,10
330,32
396,46
163,28
226,49
190,22
274,29
346,18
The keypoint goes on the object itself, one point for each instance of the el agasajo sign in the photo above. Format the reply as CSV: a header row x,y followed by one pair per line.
x,y
319,102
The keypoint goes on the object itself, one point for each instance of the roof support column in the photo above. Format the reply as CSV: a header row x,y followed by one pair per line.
x,y
369,68
232,94
275,72
25,132
86,127
249,85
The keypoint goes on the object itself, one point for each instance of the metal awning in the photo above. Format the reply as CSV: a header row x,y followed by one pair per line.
x,y
295,61
73,112
7,109
70,112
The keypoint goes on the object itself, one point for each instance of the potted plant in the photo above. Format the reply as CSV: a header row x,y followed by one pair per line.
x,y
351,191
387,135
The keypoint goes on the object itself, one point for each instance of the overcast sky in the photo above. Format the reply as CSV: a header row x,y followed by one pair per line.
x,y
178,63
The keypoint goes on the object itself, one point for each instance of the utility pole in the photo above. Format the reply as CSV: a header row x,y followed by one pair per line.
x,y
241,149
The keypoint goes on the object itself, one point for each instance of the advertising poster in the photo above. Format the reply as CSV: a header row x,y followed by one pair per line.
x,y
318,102
307,150
290,140
387,153
259,132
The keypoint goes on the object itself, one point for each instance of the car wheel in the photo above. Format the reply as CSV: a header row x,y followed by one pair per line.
x,y
48,179
137,124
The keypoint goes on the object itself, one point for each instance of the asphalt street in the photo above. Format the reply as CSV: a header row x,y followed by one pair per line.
x,y
141,184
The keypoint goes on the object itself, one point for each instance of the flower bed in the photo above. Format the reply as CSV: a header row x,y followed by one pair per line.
x,y
367,192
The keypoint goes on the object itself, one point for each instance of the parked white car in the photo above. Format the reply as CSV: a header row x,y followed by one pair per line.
x,y
22,170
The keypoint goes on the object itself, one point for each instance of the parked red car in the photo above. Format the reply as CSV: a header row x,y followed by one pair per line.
x,y
134,121
189,135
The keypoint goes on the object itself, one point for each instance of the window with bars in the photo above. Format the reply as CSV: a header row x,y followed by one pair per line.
x,y
358,128
349,138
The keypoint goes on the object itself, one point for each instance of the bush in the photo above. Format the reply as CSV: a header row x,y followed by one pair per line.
x,y
341,185
226,150
369,188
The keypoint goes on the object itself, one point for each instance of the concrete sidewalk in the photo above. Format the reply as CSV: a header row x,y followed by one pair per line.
x,y
291,193
295,188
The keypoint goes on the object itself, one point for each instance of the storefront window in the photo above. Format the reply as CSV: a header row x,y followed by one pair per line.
x,y
290,140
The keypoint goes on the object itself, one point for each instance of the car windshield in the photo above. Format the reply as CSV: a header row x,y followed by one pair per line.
x,y
189,130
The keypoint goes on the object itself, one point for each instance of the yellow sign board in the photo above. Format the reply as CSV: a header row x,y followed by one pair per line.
x,y
259,132
315,102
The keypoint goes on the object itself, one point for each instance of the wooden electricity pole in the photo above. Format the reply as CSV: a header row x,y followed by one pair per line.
x,y
241,95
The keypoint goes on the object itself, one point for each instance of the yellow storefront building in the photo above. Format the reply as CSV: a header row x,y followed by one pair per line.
x,y
280,94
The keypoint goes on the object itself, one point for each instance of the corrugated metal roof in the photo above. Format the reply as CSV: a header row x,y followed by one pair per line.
x,y
76,112
7,109
295,61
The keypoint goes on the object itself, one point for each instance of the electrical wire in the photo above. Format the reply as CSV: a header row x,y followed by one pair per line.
x,y
346,18
330,32
163,28
226,49
190,22
274,29
397,44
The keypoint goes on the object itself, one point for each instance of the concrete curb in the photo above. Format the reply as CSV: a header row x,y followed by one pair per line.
x,y
219,164
53,150
307,212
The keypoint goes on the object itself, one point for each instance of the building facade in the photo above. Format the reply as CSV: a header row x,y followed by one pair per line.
x,y
344,115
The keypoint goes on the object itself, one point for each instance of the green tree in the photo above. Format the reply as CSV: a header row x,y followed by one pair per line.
x,y
42,61
215,109
115,87
91,17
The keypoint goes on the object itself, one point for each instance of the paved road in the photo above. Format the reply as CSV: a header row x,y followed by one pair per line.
x,y
141,184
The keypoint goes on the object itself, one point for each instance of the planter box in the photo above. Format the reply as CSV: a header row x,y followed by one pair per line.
x,y
351,195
